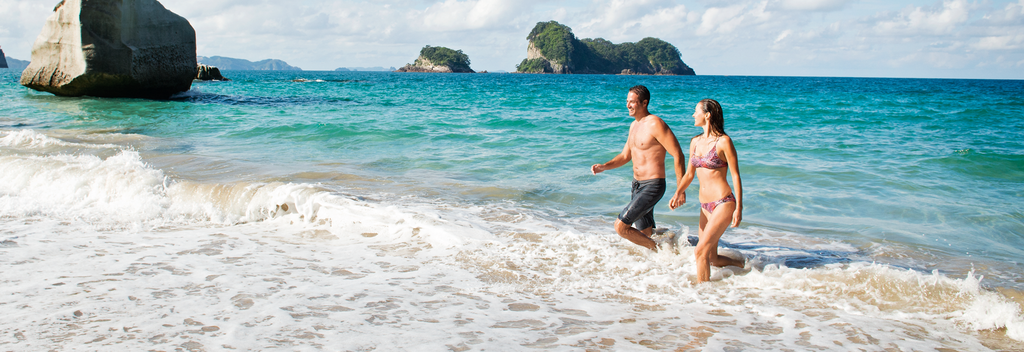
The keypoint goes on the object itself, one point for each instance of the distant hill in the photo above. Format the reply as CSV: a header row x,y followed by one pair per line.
x,y
15,64
554,49
227,63
377,68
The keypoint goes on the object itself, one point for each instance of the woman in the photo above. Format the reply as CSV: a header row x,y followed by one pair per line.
x,y
712,154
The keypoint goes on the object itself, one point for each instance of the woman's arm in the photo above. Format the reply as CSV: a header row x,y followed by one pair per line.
x,y
686,179
734,168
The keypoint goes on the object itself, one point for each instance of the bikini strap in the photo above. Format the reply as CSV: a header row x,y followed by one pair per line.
x,y
714,145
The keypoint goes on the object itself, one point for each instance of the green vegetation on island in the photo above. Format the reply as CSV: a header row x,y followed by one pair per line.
x,y
554,49
441,56
439,59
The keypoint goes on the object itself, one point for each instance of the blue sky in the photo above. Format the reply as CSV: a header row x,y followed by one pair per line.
x,y
897,38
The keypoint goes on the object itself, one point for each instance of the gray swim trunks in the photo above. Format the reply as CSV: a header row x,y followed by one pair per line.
x,y
640,210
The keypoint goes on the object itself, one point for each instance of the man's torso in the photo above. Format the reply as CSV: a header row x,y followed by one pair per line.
x,y
648,155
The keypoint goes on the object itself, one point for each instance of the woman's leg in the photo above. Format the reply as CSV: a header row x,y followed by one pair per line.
x,y
703,265
711,229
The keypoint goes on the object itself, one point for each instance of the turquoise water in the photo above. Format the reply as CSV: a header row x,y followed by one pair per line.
x,y
915,175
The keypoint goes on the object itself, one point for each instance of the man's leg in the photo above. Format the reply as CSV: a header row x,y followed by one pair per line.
x,y
640,212
642,238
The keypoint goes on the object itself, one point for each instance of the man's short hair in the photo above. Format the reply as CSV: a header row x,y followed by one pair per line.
x,y
641,93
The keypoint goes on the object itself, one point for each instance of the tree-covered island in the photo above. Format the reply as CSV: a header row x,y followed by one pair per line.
x,y
554,49
439,59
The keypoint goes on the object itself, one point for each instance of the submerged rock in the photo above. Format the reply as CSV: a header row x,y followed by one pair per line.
x,y
209,73
113,48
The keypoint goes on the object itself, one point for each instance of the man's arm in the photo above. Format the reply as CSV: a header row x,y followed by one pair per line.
x,y
624,157
668,140
619,160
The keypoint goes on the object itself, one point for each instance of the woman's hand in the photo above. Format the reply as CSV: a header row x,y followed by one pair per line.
x,y
677,200
737,216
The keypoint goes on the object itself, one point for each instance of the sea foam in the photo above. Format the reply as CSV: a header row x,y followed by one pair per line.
x,y
104,250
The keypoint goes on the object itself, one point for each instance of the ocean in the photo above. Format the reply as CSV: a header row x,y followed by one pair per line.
x,y
359,211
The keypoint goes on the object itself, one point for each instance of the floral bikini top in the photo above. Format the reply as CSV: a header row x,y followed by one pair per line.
x,y
709,160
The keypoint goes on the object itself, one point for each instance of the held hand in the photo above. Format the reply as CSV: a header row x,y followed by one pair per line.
x,y
737,216
596,169
677,200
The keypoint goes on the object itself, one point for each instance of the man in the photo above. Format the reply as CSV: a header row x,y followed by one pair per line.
x,y
649,140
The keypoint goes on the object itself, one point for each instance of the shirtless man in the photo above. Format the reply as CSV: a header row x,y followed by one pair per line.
x,y
650,139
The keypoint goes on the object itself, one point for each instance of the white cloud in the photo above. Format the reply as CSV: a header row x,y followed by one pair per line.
x,y
676,18
721,20
918,20
1000,29
620,20
1012,14
454,15
1004,42
807,5
783,35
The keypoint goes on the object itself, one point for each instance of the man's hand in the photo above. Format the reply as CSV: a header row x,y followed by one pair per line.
x,y
677,200
597,168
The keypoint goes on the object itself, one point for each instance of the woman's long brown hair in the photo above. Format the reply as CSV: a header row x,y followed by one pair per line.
x,y
716,122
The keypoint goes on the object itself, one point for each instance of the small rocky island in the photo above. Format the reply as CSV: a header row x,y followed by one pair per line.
x,y
439,59
554,49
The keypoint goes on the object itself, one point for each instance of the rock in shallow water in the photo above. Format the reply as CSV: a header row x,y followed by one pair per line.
x,y
210,73
113,48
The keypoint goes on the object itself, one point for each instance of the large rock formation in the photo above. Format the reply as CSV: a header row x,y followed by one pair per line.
x,y
439,59
113,48
536,62
3,61
554,49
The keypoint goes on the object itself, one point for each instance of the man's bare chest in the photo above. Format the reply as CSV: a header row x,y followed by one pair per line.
x,y
641,140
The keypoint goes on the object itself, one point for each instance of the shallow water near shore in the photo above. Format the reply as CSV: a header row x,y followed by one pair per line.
x,y
367,210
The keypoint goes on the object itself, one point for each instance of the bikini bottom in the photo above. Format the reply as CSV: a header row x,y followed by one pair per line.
x,y
710,206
